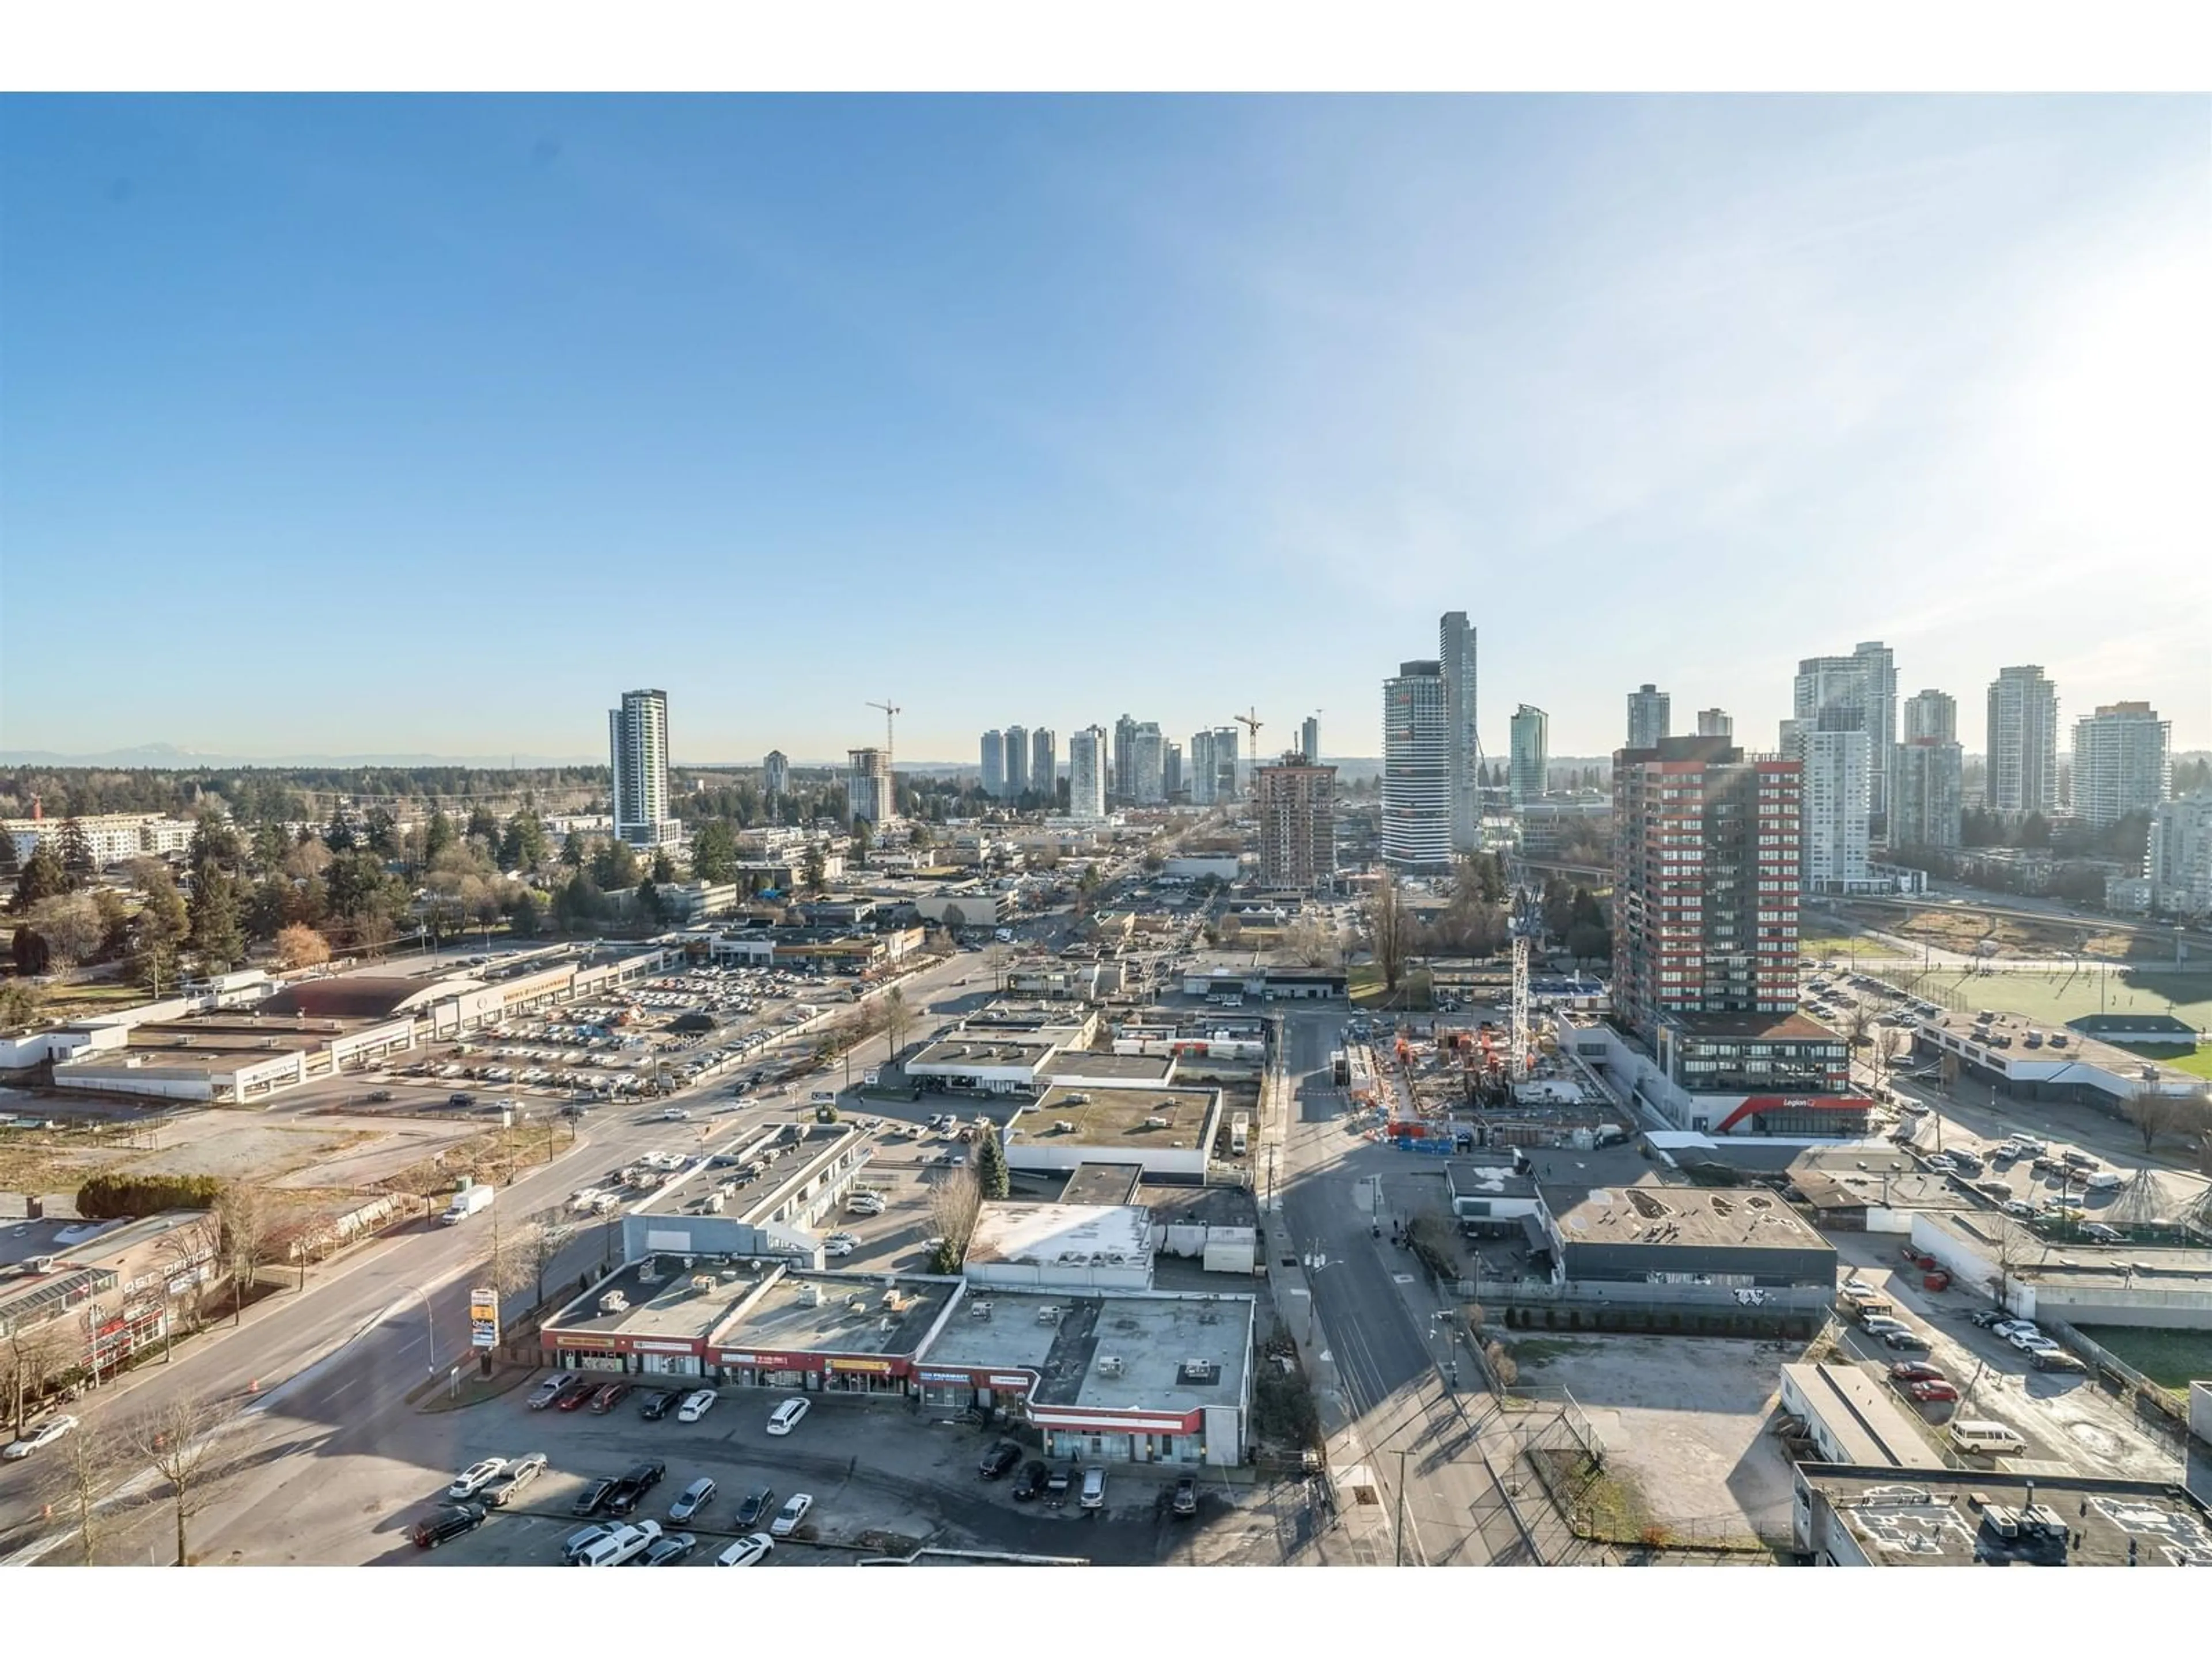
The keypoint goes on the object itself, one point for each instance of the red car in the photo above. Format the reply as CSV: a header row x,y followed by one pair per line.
x,y
1929,1392
606,1400
1913,1371
574,1398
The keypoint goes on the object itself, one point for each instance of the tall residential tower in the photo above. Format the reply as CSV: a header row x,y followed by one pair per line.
x,y
1457,660
637,745
1417,817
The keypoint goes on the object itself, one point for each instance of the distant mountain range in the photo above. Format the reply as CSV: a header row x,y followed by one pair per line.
x,y
167,758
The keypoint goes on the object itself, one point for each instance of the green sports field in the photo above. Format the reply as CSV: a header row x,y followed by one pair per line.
x,y
2058,997
2172,1359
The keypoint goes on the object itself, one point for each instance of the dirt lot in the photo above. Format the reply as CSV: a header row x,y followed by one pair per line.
x,y
1684,1421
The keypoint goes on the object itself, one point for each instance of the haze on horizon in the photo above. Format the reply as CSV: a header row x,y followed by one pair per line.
x,y
375,425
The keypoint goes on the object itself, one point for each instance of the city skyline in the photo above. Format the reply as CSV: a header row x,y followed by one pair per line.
x,y
1876,368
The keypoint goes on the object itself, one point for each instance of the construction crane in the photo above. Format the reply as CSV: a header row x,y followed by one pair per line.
x,y
1251,722
891,712
1526,924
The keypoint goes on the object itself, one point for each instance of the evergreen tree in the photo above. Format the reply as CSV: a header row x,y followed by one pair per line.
x,y
437,836
76,851
339,837
11,865
714,851
271,844
41,877
648,901
484,825
157,934
664,867
215,934
991,1171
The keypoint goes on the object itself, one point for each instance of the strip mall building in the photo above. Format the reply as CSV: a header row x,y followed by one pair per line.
x,y
1140,1376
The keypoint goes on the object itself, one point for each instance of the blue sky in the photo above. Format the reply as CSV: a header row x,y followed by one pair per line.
x,y
431,424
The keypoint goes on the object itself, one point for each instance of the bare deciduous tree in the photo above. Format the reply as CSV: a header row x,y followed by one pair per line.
x,y
71,927
954,1201
896,1019
36,1355
2154,1114
186,1252
2012,1245
79,1472
176,1439
1389,925
300,946
242,1212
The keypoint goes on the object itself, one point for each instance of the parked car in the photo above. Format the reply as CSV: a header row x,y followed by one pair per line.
x,y
744,1552
1932,1391
656,1404
2055,1359
605,1399
629,1492
39,1439
1914,1370
788,1517
1094,1488
576,1399
551,1390
445,1524
753,1507
380,1096
2009,1328
2031,1342
2019,1207
2103,1234
1029,1485
475,1477
693,1498
697,1404
500,1491
1185,1501
1000,1458
1985,1318
787,1417
1911,1341
591,1498
577,1542
668,1551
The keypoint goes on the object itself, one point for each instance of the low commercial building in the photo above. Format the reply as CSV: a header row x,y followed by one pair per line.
x,y
766,1199
1089,1068
1266,984
833,1333
1491,1195
973,1064
227,1060
1873,1515
1061,1247
1739,1239
652,1317
2146,1030
1849,1417
966,907
2080,1284
2031,1061
88,1296
1147,1379
1167,1132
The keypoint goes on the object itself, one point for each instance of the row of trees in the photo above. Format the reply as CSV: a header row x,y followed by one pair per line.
x,y
1473,921
280,795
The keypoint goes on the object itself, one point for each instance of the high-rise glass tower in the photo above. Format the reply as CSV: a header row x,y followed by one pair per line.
x,y
1417,816
1456,662
637,745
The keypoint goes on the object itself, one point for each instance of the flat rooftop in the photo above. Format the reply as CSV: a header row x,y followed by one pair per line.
x,y
1133,1352
673,1303
1117,1117
1471,1179
1690,1217
977,1051
2073,1045
841,1312
1102,1184
1939,1518
1762,1027
1051,1233
1862,1416
1131,1069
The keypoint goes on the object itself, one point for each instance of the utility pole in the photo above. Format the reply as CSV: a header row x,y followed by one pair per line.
x,y
1398,1543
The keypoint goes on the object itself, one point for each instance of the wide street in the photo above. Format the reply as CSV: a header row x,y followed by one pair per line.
x,y
1371,1306
327,1366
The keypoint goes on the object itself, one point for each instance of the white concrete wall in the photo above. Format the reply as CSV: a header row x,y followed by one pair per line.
x,y
1061,1156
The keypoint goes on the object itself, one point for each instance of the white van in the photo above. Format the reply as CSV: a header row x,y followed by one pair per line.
x,y
1988,1439
2104,1181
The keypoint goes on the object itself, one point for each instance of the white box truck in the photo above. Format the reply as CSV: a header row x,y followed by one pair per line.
x,y
467,1202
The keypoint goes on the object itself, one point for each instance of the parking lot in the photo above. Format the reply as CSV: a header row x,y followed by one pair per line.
x,y
2063,1415
884,1481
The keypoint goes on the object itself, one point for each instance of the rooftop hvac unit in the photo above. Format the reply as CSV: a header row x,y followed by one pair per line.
x,y
1049,1315
1197,1370
1064,1126
979,1310
702,1281
613,1303
811,1295
1110,1365
856,1304
1155,1123
648,1274
886,1324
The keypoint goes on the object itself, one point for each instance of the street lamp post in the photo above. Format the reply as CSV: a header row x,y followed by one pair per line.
x,y
429,1327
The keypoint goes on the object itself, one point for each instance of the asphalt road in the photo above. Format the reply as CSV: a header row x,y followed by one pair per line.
x,y
1370,1307
337,1361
